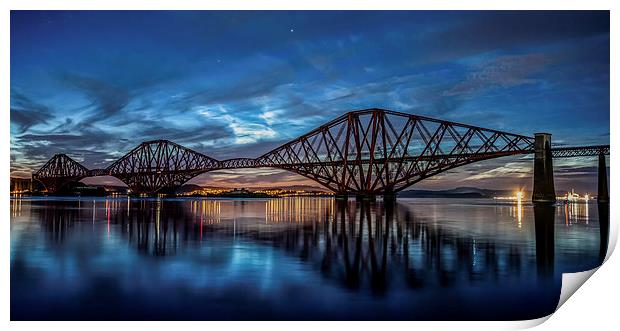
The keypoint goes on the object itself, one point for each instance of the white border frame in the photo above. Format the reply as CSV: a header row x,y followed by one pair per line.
x,y
594,305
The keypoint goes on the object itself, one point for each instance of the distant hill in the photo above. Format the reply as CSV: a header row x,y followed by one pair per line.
x,y
459,192
187,188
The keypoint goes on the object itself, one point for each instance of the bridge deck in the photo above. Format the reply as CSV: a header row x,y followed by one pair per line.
x,y
366,151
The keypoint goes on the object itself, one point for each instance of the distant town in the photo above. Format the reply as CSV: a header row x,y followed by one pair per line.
x,y
25,186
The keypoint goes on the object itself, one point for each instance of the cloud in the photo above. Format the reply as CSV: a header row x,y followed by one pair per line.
x,y
84,144
108,100
250,150
501,72
578,171
261,76
26,113
510,169
202,131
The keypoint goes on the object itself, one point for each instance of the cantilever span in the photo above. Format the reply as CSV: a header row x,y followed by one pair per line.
x,y
364,152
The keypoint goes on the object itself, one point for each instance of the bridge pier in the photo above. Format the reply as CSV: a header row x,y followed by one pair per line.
x,y
544,187
603,192
389,197
365,197
341,196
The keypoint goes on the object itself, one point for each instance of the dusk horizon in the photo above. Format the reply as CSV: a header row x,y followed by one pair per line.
x,y
93,85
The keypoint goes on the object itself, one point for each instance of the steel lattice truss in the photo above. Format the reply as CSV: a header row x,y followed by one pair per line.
x,y
238,163
154,165
370,151
580,151
58,171
377,151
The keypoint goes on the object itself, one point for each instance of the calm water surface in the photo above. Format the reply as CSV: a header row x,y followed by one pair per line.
x,y
295,258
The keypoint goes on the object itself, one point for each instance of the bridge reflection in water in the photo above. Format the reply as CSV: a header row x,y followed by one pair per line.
x,y
353,240
375,247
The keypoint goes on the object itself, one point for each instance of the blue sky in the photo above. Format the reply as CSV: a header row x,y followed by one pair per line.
x,y
94,84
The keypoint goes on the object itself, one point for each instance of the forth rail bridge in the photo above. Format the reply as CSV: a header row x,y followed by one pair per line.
x,y
363,153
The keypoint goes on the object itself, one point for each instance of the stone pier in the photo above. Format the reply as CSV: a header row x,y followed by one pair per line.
x,y
544,187
603,191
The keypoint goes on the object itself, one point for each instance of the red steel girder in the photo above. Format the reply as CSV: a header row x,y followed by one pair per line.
x,y
369,151
154,165
58,171
377,151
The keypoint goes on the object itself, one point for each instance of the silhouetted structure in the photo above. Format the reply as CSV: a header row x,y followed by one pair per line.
x,y
59,171
366,153
544,188
603,193
159,164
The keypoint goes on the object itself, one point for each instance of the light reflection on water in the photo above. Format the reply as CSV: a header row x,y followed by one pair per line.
x,y
295,258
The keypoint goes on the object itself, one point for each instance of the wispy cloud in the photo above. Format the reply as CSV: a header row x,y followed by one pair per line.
x,y
500,72
107,100
26,113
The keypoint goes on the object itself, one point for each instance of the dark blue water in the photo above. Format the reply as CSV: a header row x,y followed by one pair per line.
x,y
295,258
